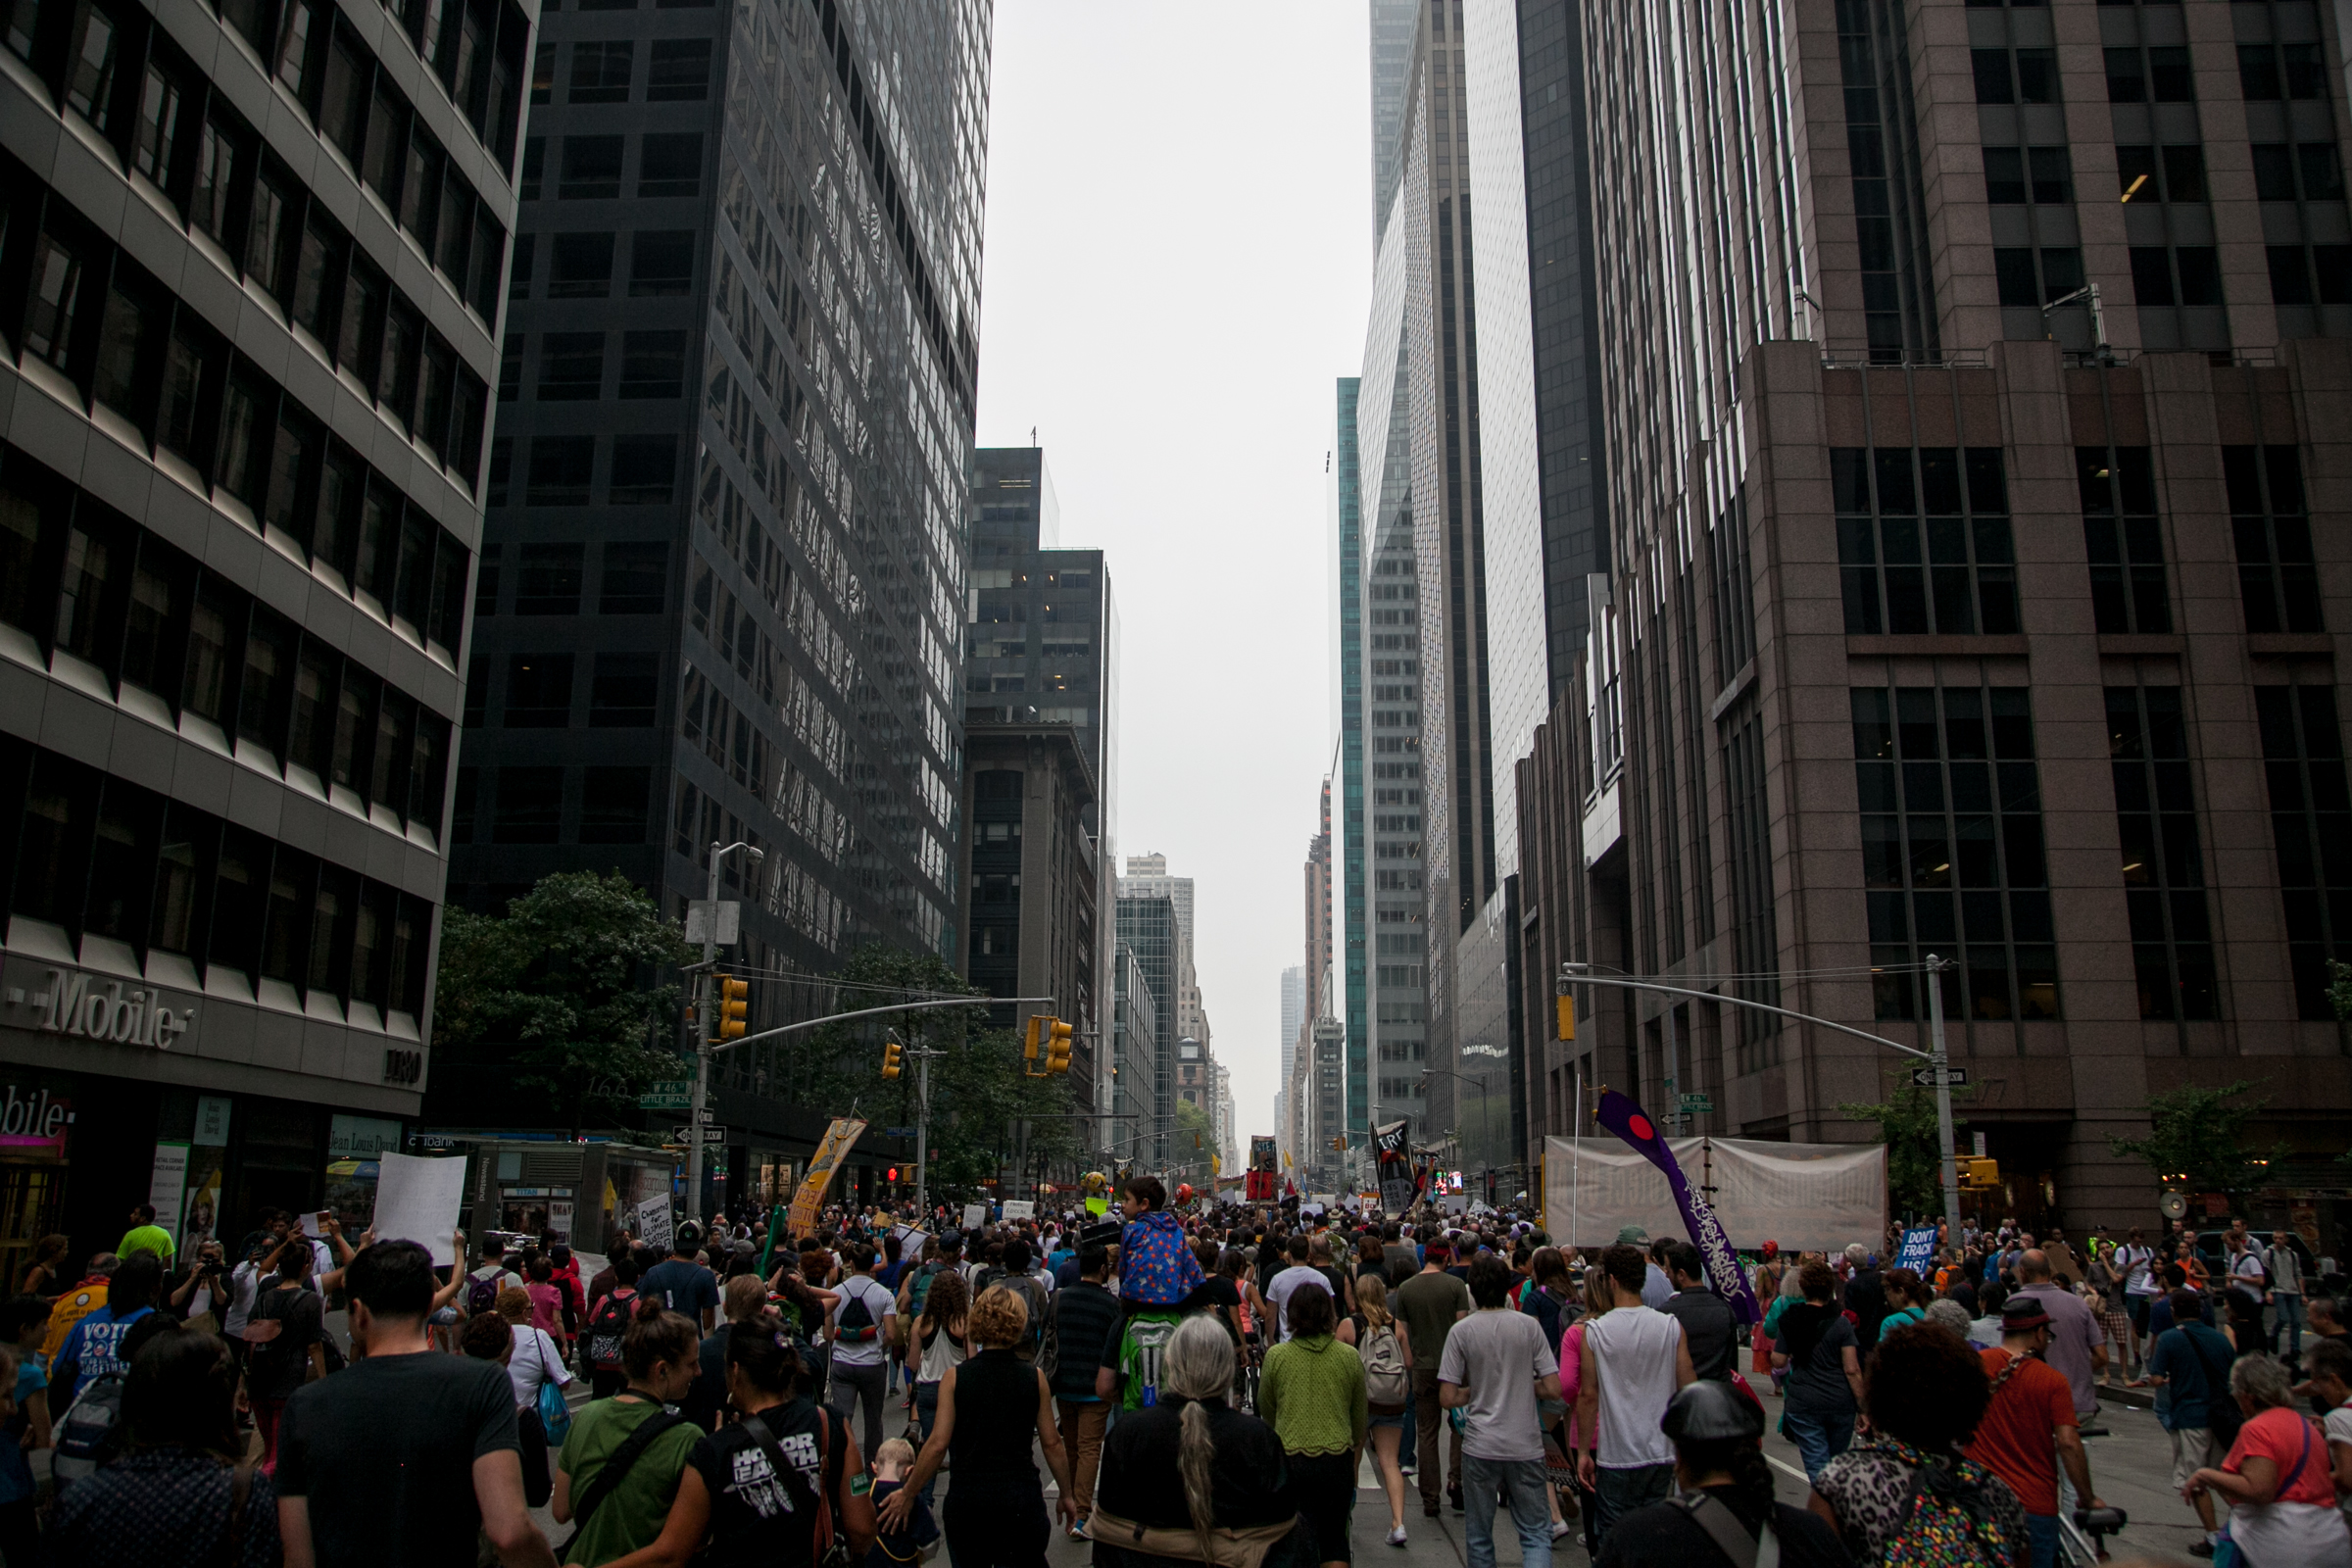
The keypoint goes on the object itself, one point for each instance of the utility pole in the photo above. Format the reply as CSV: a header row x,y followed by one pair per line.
x,y
704,1015
1942,1064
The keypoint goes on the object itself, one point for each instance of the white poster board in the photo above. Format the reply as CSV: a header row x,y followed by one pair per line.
x,y
420,1201
1021,1209
1807,1196
975,1215
652,1223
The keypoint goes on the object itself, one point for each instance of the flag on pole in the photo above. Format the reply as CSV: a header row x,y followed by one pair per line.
x,y
1629,1122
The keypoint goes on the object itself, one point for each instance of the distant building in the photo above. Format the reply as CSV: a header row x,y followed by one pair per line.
x,y
1148,931
1029,866
1130,1120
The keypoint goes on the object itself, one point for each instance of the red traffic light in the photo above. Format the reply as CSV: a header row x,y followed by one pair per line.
x,y
894,1174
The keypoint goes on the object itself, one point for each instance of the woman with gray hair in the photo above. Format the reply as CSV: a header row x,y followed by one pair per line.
x,y
2277,1479
1190,1478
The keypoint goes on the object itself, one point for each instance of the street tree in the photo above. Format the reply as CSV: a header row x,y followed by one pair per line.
x,y
2196,1140
561,997
1907,1125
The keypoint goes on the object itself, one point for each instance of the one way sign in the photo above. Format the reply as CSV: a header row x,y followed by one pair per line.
x,y
1925,1077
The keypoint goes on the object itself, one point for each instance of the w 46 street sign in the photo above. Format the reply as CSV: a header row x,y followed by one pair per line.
x,y
671,1093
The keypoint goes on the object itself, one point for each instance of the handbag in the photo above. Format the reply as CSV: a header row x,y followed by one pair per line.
x,y
554,1413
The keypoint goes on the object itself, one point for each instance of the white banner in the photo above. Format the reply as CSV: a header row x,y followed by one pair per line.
x,y
652,1223
1807,1196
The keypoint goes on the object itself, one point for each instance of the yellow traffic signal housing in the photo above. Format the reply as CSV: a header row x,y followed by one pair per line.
x,y
1058,1046
1036,1027
734,1005
890,1058
1567,1016
1983,1173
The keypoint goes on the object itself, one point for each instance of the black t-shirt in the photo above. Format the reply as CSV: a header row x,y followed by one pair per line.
x,y
709,1390
758,1517
1247,1482
1713,1331
1663,1535
279,1364
1217,1291
384,1452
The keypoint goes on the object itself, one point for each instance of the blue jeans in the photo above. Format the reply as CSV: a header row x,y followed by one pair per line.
x,y
2041,1537
1410,1443
926,1416
1618,1493
1818,1438
2289,1327
1525,1481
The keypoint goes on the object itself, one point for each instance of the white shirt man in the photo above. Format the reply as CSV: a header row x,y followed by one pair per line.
x,y
1298,1276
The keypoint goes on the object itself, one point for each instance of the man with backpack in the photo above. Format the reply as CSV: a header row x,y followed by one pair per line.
x,y
2030,1428
864,1318
1081,1319
92,1349
2190,1363
607,1323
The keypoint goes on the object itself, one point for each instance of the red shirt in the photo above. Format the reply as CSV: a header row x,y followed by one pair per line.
x,y
2016,1440
2284,1436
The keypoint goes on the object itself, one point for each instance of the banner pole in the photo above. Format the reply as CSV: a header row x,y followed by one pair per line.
x,y
1576,1160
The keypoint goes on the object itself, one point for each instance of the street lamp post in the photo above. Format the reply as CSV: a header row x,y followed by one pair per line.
x,y
704,1021
1938,1060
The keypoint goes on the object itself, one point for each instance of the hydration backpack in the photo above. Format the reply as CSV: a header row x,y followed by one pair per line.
x,y
92,1434
608,1324
1388,1381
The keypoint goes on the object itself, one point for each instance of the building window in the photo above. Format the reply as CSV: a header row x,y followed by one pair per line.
x,y
681,71
1755,934
591,169
644,469
582,267
1922,540
653,364
530,805
613,803
1952,850
549,583
2174,173
2032,277
2303,748
2151,75
2124,539
2277,580
599,71
660,263
2015,175
670,163
634,575
625,690
539,691
2180,274
2271,71
2016,75
2164,873
2317,274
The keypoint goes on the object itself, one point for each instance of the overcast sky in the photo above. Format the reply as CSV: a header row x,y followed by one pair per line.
x,y
1178,269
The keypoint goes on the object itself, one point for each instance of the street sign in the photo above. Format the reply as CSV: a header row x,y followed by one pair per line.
x,y
1925,1077
706,1116
897,1132
714,1135
700,927
1696,1104
670,1094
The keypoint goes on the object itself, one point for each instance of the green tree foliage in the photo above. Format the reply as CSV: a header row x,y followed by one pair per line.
x,y
981,1096
1907,1126
1186,1161
2196,1140
558,998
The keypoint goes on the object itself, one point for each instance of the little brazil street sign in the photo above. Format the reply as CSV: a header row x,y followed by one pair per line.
x,y
670,1094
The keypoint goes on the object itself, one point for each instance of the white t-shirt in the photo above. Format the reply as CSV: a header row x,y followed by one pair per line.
x,y
243,1282
878,1301
1497,1357
1289,1280
2340,1430
2139,1277
1634,1358
536,1360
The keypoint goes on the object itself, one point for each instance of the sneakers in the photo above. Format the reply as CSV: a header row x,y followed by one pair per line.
x,y
1396,1536
1078,1531
2200,1549
1429,1510
1559,1528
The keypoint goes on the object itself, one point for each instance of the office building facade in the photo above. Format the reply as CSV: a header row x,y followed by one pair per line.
x,y
1151,937
1955,610
723,596
250,281
1040,647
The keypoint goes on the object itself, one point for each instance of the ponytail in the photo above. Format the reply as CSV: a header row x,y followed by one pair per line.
x,y
1193,1454
765,1354
656,1335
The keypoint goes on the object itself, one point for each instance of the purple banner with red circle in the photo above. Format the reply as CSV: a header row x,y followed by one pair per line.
x,y
1630,1122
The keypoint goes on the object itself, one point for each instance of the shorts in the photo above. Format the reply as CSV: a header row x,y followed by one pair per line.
x,y
1394,1418
2193,1449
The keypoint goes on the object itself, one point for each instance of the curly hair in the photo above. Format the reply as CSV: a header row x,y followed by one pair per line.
x,y
1926,1387
998,1319
515,1305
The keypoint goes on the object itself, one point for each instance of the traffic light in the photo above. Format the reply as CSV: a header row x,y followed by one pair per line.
x,y
890,1058
1340,1143
1983,1173
734,1002
894,1174
1058,1046
1567,1016
1036,1029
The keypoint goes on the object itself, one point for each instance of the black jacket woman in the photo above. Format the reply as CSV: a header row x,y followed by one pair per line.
x,y
1190,1479
990,1409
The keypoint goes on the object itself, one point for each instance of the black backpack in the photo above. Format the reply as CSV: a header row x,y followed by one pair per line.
x,y
91,1434
607,1323
857,1325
